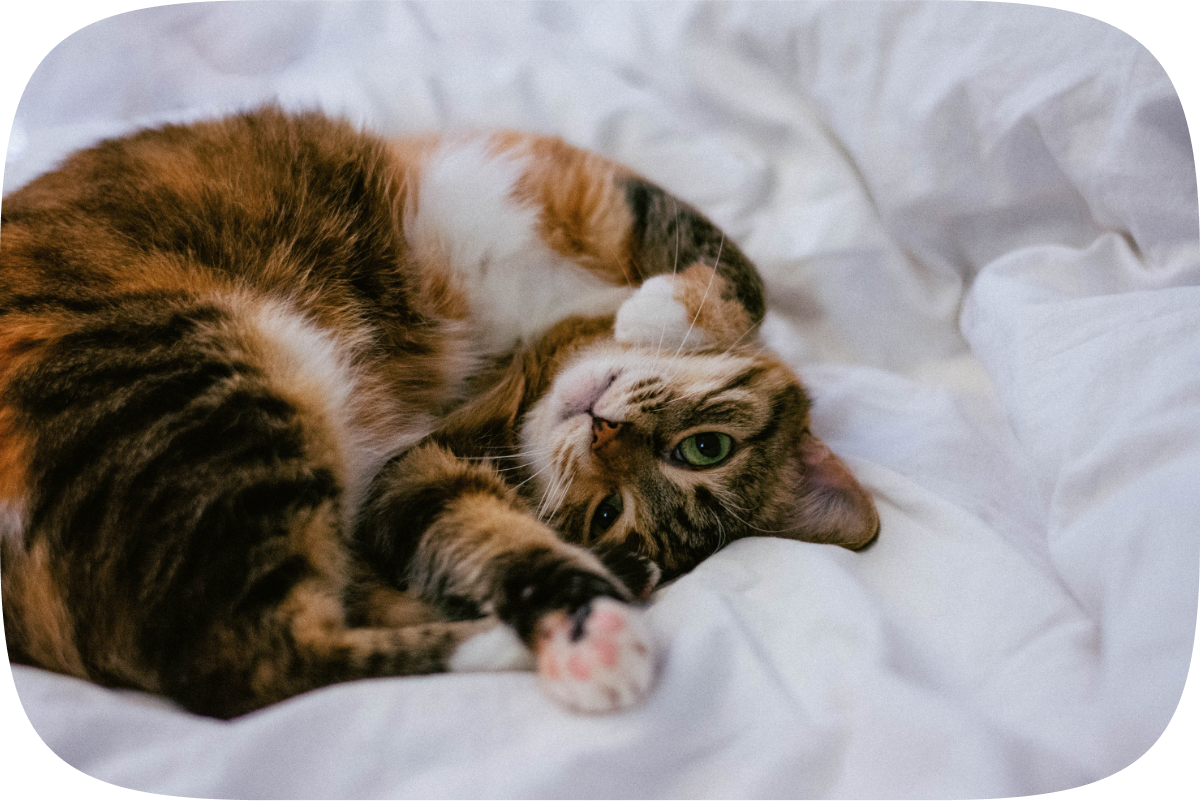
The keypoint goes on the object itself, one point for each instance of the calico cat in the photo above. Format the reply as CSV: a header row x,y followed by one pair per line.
x,y
283,403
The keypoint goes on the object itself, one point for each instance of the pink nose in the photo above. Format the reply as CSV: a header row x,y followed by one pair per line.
x,y
603,432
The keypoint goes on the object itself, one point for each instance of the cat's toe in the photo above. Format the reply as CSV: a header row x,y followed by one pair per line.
x,y
598,659
652,316
638,573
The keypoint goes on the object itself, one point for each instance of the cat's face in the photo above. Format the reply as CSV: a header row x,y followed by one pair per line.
x,y
673,456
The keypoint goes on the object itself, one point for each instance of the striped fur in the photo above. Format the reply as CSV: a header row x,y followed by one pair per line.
x,y
283,404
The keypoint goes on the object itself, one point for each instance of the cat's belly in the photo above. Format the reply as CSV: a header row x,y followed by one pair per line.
x,y
359,413
517,300
468,222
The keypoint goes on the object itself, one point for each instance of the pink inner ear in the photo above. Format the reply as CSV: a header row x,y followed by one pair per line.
x,y
822,468
832,506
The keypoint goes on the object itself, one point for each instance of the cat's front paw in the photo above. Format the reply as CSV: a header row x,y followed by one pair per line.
x,y
638,573
599,658
653,317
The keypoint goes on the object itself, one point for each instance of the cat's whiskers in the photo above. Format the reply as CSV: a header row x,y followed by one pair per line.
x,y
553,497
560,460
524,460
556,479
492,458
737,341
729,506
535,453
554,501
704,298
514,468
535,475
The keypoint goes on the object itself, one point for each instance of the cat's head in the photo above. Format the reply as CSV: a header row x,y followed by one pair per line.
x,y
673,456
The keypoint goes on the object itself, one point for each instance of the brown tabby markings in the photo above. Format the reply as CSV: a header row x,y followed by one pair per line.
x,y
14,462
253,442
29,585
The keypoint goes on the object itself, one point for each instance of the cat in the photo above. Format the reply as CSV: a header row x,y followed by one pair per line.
x,y
284,403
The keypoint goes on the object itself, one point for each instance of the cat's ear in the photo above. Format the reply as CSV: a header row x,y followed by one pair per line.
x,y
829,503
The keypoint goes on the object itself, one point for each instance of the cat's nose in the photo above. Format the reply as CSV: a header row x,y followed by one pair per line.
x,y
603,432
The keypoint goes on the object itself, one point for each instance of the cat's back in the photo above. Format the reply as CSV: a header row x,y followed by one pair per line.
x,y
191,327
266,241
263,199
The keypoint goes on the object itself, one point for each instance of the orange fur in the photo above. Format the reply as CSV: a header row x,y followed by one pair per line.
x,y
21,343
584,215
705,295
14,460
35,611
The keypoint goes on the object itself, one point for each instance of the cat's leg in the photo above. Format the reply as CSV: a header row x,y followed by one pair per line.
x,y
371,602
696,289
248,663
182,529
454,533
637,572
614,223
689,311
536,230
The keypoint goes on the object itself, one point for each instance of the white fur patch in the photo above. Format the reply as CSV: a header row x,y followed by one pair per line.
x,y
312,367
653,318
517,286
610,667
495,649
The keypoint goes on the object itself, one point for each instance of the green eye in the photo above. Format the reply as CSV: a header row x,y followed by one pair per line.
x,y
607,513
704,450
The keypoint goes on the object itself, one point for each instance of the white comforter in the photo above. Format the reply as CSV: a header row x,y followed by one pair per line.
x,y
978,226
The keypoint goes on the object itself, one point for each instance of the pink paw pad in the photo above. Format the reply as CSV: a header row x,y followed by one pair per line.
x,y
596,660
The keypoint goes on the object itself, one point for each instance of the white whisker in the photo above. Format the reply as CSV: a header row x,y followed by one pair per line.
x,y
720,528
703,299
553,497
535,475
735,343
674,272
729,506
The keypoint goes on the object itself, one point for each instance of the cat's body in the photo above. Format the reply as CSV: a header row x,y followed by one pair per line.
x,y
284,404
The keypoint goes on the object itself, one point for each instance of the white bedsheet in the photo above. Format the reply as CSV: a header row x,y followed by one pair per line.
x,y
978,226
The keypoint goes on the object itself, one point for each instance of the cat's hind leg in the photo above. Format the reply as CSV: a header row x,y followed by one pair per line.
x,y
253,660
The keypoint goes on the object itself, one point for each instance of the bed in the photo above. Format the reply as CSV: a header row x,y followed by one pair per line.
x,y
978,229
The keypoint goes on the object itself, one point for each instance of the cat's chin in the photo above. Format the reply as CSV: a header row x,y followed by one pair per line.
x,y
579,388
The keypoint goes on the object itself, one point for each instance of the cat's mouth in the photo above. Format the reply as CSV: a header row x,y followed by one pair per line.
x,y
581,388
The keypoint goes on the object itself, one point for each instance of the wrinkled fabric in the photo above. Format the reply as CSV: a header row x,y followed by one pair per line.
x,y
978,228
